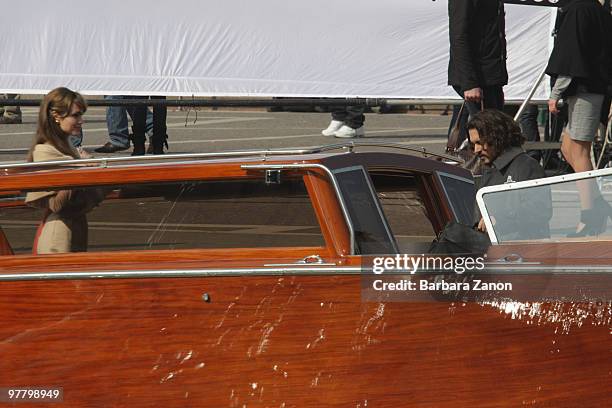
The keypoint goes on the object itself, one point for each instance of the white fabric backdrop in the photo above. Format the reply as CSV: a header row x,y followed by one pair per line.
x,y
332,48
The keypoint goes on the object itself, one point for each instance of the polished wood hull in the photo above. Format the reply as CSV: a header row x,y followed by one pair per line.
x,y
294,341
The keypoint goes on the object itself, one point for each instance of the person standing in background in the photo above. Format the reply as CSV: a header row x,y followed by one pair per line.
x,y
346,123
580,66
477,66
10,115
117,123
528,121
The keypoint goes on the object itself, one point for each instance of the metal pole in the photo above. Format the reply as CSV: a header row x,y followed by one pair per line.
x,y
213,102
530,95
261,102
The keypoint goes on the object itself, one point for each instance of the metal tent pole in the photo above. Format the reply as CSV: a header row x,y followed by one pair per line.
x,y
531,93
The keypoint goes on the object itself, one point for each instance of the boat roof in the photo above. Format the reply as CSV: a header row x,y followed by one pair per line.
x,y
303,154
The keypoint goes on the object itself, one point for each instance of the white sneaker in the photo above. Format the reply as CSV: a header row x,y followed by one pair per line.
x,y
334,125
349,132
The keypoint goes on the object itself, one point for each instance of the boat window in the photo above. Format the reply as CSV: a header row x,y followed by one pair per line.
x,y
461,194
546,209
372,233
18,223
399,197
223,214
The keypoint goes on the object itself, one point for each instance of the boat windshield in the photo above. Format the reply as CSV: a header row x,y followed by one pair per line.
x,y
547,209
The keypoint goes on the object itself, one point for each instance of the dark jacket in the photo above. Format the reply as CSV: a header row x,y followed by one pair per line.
x,y
477,44
520,214
583,47
515,163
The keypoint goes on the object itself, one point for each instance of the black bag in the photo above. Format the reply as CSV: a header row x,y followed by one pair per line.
x,y
455,138
456,238
459,147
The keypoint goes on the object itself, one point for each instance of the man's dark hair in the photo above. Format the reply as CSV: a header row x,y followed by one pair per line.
x,y
497,129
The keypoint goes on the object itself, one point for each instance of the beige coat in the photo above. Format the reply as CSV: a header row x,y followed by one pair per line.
x,y
65,227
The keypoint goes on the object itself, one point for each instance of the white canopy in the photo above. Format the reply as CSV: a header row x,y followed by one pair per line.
x,y
316,48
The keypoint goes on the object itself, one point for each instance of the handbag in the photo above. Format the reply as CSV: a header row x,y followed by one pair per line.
x,y
460,148
456,238
454,138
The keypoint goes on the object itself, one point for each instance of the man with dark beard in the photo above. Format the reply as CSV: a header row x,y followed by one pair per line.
x,y
477,66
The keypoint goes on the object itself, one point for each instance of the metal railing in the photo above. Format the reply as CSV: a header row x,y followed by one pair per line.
x,y
186,158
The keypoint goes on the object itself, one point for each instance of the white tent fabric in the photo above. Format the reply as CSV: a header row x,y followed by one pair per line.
x,y
315,48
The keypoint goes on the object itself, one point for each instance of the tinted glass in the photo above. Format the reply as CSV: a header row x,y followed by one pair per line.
x,y
372,234
404,210
461,194
228,214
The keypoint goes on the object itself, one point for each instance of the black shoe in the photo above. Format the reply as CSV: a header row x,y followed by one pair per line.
x,y
139,148
109,148
151,149
138,151
589,225
10,120
595,219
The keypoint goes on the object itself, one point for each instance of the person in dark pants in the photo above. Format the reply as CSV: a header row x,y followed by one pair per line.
x,y
528,121
117,123
477,65
10,115
159,138
346,123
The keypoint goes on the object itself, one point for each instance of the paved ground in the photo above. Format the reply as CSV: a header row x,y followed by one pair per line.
x,y
206,130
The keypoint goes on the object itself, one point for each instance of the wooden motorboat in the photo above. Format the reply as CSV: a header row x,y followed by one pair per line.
x,y
237,279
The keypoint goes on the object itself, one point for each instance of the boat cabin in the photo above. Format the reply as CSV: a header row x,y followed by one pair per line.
x,y
327,203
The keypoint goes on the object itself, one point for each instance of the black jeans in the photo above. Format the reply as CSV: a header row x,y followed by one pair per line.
x,y
352,116
529,126
159,127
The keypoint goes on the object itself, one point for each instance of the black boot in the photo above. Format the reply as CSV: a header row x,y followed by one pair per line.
x,y
138,138
595,219
139,148
151,150
160,134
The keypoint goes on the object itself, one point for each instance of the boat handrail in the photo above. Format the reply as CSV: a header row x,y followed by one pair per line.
x,y
348,147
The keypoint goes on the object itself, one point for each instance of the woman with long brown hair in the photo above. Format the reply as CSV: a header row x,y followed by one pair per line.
x,y
64,225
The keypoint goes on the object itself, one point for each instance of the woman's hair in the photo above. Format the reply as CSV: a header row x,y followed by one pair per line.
x,y
497,129
59,101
